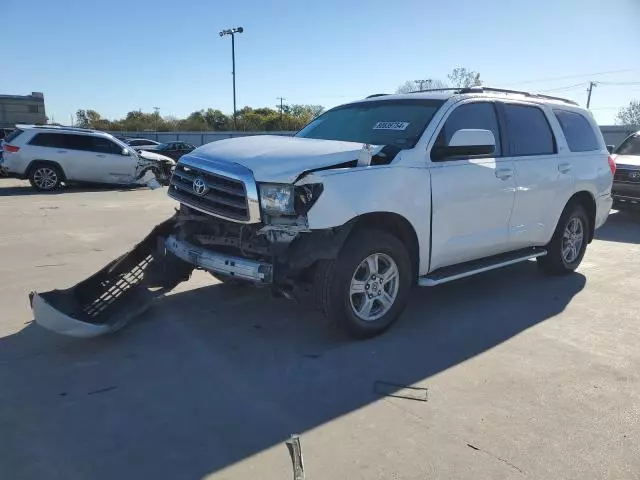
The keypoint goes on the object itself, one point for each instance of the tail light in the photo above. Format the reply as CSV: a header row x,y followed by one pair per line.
x,y
10,148
612,165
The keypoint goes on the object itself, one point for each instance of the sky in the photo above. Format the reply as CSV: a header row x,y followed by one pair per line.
x,y
117,56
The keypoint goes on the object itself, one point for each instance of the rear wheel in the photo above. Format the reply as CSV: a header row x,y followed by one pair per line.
x,y
569,242
367,287
45,177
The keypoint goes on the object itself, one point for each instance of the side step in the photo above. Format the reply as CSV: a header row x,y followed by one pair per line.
x,y
461,270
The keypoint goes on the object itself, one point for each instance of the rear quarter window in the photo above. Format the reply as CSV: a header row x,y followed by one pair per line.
x,y
578,131
12,135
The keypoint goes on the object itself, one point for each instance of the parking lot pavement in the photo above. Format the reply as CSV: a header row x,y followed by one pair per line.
x,y
527,376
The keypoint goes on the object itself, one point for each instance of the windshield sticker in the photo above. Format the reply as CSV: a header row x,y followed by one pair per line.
x,y
391,126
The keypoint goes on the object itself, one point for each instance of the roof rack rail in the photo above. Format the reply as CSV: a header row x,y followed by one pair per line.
x,y
62,127
481,89
376,95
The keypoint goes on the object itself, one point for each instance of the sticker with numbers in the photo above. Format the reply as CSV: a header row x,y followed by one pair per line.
x,y
391,126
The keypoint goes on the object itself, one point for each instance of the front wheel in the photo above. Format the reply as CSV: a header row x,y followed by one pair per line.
x,y
367,287
569,242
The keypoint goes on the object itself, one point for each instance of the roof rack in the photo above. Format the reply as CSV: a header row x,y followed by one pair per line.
x,y
376,95
481,89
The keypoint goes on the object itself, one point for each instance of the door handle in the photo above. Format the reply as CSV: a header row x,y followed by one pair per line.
x,y
101,156
504,173
564,167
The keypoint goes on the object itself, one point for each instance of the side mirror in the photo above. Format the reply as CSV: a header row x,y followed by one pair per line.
x,y
611,148
466,142
125,152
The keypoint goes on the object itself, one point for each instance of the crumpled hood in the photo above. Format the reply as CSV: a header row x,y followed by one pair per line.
x,y
156,157
279,159
632,160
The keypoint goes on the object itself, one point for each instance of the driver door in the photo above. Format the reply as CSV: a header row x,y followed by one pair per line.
x,y
472,196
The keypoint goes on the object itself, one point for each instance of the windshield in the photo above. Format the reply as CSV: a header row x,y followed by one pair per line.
x,y
631,146
160,146
383,122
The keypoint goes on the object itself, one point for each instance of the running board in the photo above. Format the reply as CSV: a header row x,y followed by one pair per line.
x,y
461,270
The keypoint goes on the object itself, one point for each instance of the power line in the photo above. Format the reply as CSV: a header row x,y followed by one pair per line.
x,y
568,87
571,76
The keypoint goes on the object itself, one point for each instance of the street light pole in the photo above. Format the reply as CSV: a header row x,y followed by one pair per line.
x,y
232,32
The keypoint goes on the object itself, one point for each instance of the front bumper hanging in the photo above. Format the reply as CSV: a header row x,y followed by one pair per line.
x,y
113,296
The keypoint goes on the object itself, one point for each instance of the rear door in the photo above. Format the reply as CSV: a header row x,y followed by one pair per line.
x,y
59,148
544,182
472,197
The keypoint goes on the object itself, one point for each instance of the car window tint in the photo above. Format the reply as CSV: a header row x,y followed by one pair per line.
x,y
478,115
631,146
578,131
103,145
52,140
529,131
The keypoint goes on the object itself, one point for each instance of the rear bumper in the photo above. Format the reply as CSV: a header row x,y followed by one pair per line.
x,y
221,263
626,192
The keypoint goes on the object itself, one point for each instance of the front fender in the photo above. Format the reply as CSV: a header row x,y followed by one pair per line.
x,y
350,193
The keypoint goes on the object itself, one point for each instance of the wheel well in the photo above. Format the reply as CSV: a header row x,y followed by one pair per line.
x,y
589,204
35,163
396,225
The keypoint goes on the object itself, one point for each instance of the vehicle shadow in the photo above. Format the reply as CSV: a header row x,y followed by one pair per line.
x,y
213,375
27,190
622,226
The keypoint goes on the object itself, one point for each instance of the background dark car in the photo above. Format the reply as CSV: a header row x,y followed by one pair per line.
x,y
172,149
141,143
626,182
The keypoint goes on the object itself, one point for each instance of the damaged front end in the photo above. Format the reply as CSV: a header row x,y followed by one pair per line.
x,y
274,256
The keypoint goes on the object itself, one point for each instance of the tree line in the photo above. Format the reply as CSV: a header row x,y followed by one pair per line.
x,y
290,117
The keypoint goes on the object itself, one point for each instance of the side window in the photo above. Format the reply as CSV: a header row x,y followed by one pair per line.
x,y
529,132
103,145
76,142
478,115
47,140
578,131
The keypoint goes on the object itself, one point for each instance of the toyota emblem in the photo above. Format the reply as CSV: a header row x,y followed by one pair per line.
x,y
200,187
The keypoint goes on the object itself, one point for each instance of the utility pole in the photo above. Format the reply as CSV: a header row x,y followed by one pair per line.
x,y
590,89
232,32
157,112
421,83
282,99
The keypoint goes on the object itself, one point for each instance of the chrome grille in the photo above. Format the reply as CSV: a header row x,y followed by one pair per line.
x,y
627,175
226,197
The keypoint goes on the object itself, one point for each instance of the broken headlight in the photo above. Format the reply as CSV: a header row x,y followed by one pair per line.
x,y
306,196
276,199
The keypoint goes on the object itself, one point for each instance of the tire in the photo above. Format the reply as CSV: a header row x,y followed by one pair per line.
x,y
45,177
383,298
555,262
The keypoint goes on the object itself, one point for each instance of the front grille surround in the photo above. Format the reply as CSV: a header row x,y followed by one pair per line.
x,y
627,175
231,189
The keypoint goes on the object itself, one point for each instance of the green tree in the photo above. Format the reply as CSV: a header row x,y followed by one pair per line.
x,y
629,115
461,77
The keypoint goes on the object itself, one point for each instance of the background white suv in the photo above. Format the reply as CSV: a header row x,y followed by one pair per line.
x,y
47,156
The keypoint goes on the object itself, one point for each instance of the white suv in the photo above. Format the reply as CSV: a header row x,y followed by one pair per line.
x,y
48,155
373,197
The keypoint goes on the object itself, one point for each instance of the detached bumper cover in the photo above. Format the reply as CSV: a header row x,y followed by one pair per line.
x,y
220,263
109,299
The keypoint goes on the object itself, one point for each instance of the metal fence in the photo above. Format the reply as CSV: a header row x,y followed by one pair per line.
x,y
194,138
613,135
